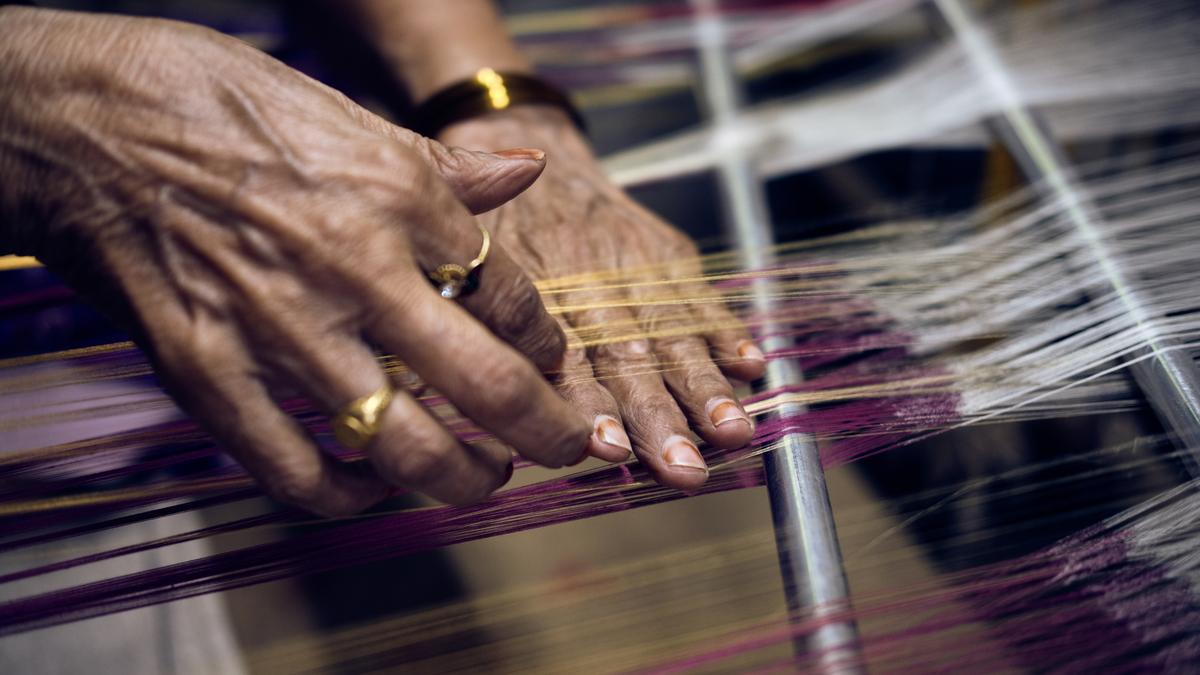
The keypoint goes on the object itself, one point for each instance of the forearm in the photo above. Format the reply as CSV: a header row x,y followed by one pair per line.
x,y
429,45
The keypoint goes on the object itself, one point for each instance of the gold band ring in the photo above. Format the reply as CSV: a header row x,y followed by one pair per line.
x,y
357,423
454,280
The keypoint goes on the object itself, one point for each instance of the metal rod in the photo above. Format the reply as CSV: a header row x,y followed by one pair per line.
x,y
809,555
1168,377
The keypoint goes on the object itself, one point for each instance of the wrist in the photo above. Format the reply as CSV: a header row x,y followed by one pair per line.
x,y
431,45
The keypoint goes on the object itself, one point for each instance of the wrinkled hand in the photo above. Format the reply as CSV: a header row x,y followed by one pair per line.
x,y
575,220
258,232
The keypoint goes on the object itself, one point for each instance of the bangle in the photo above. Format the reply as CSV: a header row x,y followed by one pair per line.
x,y
487,92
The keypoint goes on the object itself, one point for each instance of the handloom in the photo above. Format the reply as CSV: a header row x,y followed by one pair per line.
x,y
906,329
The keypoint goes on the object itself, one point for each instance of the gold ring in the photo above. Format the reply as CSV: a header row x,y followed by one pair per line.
x,y
357,423
454,280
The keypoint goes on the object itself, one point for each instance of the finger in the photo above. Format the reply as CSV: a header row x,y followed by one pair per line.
x,y
486,379
480,180
578,386
483,180
411,449
414,450
706,397
730,343
495,454
268,443
510,305
697,385
702,392
505,299
731,346
626,367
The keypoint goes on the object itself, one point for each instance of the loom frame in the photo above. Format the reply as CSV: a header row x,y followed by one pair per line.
x,y
810,558
1163,372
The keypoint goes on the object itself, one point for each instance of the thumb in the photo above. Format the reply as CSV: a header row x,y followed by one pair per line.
x,y
481,180
484,180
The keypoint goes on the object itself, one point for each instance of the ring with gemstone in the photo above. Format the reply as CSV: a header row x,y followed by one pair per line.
x,y
453,280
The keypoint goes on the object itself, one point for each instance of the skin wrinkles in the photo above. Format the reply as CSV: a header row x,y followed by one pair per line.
x,y
74,186
574,221
259,125
293,234
259,239
181,261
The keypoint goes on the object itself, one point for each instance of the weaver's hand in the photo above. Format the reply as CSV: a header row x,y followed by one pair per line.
x,y
258,232
575,220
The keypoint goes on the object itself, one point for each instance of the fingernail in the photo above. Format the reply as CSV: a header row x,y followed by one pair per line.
x,y
724,410
750,351
608,430
522,153
681,453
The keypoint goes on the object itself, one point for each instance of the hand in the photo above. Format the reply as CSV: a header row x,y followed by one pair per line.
x,y
256,231
575,220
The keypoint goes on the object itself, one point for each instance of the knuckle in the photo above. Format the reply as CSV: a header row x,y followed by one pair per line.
x,y
589,397
677,348
508,383
659,318
621,357
575,361
428,151
446,161
422,465
546,346
298,484
647,413
576,370
686,356
469,494
421,457
517,307
704,379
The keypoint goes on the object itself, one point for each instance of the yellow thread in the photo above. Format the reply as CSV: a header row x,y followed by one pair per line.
x,y
16,262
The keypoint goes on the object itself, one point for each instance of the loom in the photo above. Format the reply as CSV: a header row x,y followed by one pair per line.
x,y
808,549
812,569
810,560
